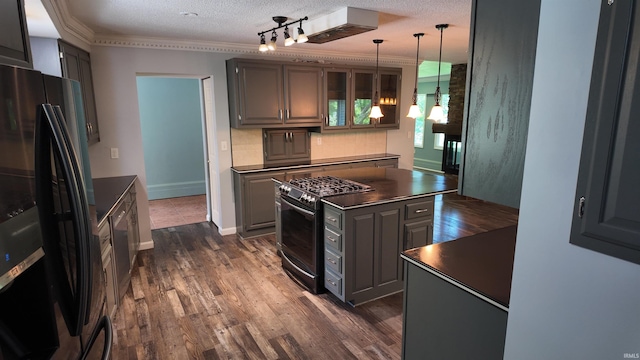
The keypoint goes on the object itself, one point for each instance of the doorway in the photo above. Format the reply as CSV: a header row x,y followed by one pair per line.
x,y
174,133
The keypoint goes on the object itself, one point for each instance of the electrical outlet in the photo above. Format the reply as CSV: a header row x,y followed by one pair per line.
x,y
408,134
319,140
114,153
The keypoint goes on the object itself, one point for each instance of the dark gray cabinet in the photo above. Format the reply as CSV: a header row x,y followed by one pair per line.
x,y
271,94
443,321
349,93
607,207
498,99
367,242
286,146
76,65
254,194
14,36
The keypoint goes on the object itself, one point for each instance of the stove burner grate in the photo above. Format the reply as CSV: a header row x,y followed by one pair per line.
x,y
329,185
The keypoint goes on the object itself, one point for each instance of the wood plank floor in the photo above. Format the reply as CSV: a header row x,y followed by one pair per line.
x,y
199,295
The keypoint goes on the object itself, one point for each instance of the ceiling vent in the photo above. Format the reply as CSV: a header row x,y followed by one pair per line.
x,y
341,24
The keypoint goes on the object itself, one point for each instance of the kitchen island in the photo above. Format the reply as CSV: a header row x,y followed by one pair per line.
x,y
456,297
364,233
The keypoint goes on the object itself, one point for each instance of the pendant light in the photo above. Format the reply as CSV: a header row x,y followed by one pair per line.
x,y
414,110
437,112
376,113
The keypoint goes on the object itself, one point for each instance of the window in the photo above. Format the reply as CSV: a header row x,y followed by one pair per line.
x,y
418,138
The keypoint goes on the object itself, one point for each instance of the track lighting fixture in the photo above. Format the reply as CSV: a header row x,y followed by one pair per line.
x,y
414,110
437,112
288,40
376,113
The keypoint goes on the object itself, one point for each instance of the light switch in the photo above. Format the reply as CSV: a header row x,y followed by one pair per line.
x,y
223,145
319,140
114,153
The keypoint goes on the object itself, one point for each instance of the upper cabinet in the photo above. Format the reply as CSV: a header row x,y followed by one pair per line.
x,y
266,94
349,94
14,37
59,58
606,215
76,65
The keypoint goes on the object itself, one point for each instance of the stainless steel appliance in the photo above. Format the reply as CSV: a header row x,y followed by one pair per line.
x,y
52,289
301,226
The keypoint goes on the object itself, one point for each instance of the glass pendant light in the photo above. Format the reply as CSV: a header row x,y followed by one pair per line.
x,y
376,113
263,45
414,110
437,112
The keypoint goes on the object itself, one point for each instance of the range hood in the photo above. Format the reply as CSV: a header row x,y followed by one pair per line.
x,y
343,23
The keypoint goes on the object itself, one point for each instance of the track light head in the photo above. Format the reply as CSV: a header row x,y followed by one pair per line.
x,y
272,44
288,40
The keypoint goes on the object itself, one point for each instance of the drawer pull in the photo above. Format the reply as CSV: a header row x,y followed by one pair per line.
x,y
332,261
332,219
332,282
331,239
420,211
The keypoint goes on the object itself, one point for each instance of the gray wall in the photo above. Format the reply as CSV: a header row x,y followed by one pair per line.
x,y
566,302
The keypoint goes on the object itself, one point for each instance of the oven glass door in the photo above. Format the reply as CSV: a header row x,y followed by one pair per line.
x,y
299,234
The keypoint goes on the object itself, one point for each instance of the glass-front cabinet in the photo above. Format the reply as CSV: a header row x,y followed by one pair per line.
x,y
389,98
336,97
363,93
349,96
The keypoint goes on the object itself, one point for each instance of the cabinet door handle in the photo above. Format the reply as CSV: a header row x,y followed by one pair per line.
x,y
279,114
286,113
332,219
332,282
420,211
332,261
291,136
331,239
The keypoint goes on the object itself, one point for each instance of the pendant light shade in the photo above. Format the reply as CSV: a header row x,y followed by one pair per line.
x,y
437,112
376,112
414,110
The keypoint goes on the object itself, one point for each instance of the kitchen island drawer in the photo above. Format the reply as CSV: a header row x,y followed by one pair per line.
x,y
332,217
419,209
332,261
333,239
333,283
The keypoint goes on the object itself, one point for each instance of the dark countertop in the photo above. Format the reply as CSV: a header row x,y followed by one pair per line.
x,y
388,185
311,163
108,192
481,264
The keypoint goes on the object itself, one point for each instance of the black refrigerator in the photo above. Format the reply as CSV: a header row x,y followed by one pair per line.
x,y
52,287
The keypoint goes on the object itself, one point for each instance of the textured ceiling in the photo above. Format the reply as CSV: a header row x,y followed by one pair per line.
x,y
239,21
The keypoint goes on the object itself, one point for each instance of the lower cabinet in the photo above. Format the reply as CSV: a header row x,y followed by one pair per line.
x,y
278,219
363,246
455,324
255,197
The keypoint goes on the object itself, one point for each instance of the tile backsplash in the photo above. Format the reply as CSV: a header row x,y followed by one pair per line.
x,y
246,145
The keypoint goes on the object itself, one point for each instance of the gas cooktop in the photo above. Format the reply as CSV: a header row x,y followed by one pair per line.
x,y
328,186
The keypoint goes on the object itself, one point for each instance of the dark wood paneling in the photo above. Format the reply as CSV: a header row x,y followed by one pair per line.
x,y
388,252
498,99
361,267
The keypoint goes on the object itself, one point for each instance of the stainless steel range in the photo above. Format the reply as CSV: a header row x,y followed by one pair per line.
x,y
302,229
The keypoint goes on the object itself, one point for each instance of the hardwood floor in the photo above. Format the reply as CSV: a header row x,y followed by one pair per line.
x,y
199,295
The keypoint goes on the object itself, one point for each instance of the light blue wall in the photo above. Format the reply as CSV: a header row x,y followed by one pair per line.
x,y
428,157
567,302
171,122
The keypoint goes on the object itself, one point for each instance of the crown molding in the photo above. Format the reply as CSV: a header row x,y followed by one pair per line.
x,y
62,18
244,50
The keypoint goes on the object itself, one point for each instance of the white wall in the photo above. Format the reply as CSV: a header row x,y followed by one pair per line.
x,y
401,141
114,75
566,302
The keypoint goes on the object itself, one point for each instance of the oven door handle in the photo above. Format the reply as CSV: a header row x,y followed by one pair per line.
x,y
297,208
284,256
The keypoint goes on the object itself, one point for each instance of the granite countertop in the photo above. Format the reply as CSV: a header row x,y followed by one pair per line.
x,y
388,185
108,192
311,163
481,264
